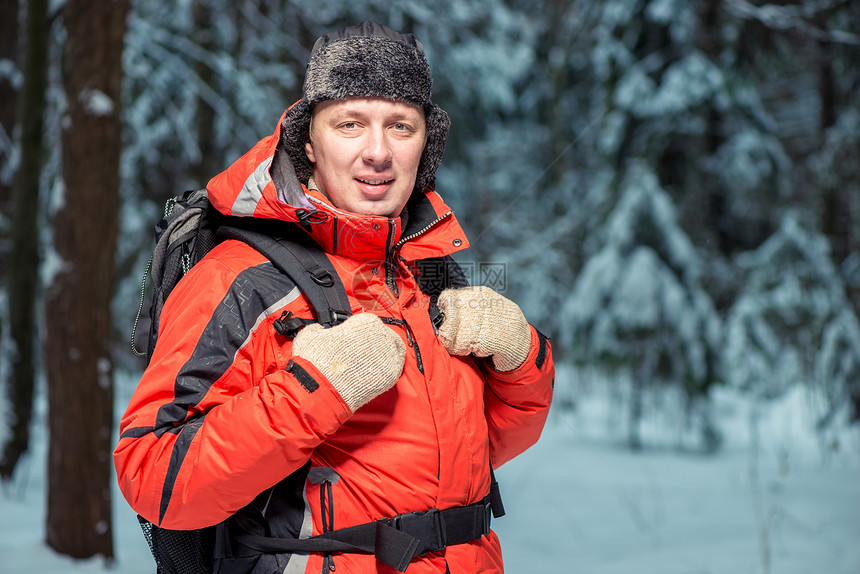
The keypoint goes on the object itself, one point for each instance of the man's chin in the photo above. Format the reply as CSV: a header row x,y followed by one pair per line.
x,y
375,209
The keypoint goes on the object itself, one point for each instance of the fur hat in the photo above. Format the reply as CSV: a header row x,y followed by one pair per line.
x,y
368,60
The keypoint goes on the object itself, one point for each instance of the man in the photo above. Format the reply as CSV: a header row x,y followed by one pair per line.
x,y
380,416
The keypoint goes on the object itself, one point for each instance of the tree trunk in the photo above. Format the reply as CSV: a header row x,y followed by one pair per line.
x,y
8,96
8,99
204,167
78,316
24,256
643,375
634,436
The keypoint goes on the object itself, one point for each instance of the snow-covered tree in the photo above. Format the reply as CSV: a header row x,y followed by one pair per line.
x,y
638,308
836,181
551,104
792,323
837,369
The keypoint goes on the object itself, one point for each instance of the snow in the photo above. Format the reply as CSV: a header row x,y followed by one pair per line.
x,y
685,84
97,103
777,497
578,502
773,500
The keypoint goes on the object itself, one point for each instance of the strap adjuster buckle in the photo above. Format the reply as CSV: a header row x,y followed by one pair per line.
x,y
488,513
427,526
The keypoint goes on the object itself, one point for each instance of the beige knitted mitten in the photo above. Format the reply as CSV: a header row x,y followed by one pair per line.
x,y
361,357
480,321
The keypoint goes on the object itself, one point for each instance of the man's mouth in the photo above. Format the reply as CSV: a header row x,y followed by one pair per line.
x,y
375,181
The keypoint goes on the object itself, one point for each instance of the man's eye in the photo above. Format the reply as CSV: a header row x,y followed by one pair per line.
x,y
401,127
348,125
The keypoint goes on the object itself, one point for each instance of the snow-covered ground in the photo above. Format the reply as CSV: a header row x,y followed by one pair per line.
x,y
579,502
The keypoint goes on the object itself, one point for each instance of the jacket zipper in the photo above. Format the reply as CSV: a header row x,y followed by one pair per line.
x,y
410,339
392,251
391,280
422,231
334,235
391,258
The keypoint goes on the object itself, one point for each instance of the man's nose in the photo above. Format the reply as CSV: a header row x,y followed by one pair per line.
x,y
377,149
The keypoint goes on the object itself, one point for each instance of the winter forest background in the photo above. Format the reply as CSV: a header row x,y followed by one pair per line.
x,y
670,189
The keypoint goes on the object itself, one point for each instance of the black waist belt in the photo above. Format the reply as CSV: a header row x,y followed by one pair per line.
x,y
395,541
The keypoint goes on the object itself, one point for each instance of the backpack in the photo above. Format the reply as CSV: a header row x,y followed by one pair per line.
x,y
188,230
191,227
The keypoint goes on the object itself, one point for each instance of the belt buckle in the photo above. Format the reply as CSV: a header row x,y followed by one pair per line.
x,y
427,526
488,514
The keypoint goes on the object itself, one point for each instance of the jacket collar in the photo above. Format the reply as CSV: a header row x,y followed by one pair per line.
x,y
262,183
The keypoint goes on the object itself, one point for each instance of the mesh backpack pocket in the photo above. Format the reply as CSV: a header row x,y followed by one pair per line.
x,y
185,233
180,551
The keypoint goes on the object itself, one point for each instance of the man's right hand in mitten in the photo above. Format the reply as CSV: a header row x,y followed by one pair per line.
x,y
361,357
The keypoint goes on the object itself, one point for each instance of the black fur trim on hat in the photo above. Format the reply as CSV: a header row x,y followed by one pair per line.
x,y
438,124
294,136
368,60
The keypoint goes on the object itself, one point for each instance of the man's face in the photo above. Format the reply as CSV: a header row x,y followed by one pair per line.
x,y
365,153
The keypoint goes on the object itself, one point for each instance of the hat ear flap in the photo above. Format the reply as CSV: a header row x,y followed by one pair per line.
x,y
294,136
438,125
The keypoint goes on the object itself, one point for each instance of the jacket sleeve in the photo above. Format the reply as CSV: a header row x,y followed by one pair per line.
x,y
517,402
221,414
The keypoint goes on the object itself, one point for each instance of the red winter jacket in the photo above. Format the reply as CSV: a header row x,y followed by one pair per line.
x,y
216,418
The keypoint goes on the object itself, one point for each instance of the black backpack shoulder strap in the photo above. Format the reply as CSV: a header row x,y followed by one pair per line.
x,y
439,273
298,256
435,274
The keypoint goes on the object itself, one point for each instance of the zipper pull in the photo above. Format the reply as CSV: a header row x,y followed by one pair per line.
x,y
409,338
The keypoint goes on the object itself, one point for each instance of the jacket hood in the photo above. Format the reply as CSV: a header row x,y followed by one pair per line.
x,y
263,183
